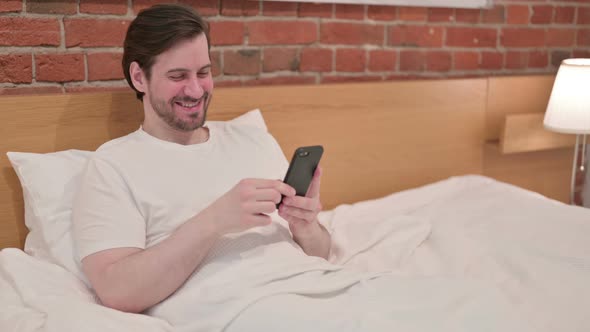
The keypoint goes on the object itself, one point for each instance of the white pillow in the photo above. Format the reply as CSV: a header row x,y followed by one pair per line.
x,y
49,183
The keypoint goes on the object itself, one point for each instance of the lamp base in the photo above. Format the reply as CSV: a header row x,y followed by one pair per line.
x,y
579,166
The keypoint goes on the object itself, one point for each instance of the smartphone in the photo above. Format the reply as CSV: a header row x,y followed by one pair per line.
x,y
302,167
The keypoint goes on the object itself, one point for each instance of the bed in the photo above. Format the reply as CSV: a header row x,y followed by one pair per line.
x,y
415,186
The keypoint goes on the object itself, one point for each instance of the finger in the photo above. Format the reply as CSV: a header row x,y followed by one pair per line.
x,y
282,187
292,219
305,203
271,195
298,213
261,207
259,220
314,187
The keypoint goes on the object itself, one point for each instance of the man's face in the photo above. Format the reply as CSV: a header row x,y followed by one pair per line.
x,y
181,85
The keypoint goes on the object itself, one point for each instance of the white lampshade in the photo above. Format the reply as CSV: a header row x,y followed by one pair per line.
x,y
568,110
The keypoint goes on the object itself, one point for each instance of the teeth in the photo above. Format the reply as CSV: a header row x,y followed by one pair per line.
x,y
188,105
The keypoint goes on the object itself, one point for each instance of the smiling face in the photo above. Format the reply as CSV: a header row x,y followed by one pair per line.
x,y
179,89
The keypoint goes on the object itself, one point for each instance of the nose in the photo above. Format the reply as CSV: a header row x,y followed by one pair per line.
x,y
194,89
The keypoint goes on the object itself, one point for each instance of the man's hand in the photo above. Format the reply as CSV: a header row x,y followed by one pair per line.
x,y
247,204
302,215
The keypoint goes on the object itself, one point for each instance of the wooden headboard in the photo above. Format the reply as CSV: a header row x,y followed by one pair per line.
x,y
378,138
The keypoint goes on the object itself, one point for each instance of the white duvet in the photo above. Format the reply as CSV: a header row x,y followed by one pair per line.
x,y
467,253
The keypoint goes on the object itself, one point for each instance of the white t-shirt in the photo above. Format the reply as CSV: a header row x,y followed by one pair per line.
x,y
138,189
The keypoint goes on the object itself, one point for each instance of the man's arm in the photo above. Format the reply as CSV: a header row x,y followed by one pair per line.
x,y
132,279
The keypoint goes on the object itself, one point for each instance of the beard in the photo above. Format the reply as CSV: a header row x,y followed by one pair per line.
x,y
165,110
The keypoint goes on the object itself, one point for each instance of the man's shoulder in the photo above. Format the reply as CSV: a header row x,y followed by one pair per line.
x,y
116,148
116,144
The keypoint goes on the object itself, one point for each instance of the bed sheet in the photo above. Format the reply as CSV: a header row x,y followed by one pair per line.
x,y
531,251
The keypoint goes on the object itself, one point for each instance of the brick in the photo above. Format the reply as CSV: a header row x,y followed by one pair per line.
x,y
581,54
465,15
139,5
351,33
350,60
316,59
216,69
34,90
491,60
242,62
471,37
418,14
518,15
465,60
279,58
416,36
88,89
282,32
497,14
412,61
561,37
382,13
516,60
382,60
441,15
280,8
542,14
538,59
583,37
558,56
11,6
67,7
20,31
349,12
439,61
564,15
114,7
280,80
95,33
16,68
227,32
583,15
523,37
59,67
349,79
240,8
104,66
324,10
204,7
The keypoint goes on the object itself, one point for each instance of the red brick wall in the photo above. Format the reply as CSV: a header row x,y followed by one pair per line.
x,y
75,45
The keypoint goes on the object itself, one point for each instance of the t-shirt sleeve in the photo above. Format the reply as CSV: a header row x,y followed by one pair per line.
x,y
105,215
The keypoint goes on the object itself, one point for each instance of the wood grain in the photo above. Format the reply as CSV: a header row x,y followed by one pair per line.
x,y
515,94
379,138
525,132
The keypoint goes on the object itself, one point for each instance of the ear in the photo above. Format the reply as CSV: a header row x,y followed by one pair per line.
x,y
137,77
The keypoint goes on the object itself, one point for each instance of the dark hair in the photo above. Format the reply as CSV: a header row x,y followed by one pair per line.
x,y
154,31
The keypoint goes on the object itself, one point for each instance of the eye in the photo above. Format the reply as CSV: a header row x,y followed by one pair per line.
x,y
203,73
177,77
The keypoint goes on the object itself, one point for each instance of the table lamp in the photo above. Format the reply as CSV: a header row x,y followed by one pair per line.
x,y
568,110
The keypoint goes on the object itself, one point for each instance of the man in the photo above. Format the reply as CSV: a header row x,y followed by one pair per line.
x,y
135,255
178,218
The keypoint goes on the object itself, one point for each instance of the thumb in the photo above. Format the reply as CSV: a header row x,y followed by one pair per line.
x,y
314,187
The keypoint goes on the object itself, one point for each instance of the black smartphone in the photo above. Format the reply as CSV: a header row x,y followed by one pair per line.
x,y
303,164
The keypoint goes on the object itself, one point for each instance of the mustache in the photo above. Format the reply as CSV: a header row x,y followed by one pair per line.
x,y
187,99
